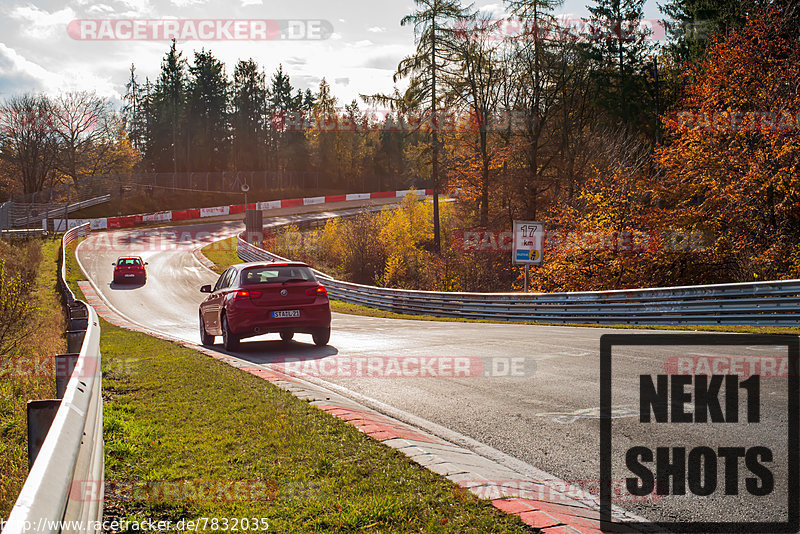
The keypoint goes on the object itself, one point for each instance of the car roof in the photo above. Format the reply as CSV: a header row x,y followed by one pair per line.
x,y
129,258
242,266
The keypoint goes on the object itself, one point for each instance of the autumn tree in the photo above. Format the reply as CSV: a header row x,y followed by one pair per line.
x,y
29,141
734,155
91,137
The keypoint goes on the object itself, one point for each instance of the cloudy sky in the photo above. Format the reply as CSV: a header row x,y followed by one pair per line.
x,y
41,51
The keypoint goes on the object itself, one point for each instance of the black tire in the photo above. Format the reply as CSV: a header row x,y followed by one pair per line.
x,y
287,336
322,336
206,339
230,341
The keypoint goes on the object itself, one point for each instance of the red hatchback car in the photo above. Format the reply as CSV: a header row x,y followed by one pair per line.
x,y
129,269
251,299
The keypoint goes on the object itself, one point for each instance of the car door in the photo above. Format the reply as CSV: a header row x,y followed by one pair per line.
x,y
213,303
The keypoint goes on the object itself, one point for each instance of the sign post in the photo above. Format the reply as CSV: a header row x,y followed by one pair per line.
x,y
528,245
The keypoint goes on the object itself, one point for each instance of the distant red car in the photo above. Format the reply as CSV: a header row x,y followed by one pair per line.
x,y
251,299
130,269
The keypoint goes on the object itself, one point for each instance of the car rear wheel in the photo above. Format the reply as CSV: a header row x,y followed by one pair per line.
x,y
229,340
287,336
206,339
321,336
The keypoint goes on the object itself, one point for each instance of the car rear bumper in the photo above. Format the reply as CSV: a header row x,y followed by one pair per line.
x,y
247,321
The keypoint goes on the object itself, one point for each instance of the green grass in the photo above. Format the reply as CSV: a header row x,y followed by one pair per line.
x,y
73,270
27,373
173,414
222,253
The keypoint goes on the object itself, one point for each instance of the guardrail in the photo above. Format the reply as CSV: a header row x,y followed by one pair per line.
x,y
23,215
65,437
750,304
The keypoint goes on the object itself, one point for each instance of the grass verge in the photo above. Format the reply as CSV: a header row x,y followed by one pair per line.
x,y
28,372
222,254
181,429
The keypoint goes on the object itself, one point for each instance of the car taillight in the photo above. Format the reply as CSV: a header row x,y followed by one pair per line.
x,y
319,290
240,295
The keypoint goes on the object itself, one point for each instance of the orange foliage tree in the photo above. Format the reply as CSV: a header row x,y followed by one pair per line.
x,y
733,157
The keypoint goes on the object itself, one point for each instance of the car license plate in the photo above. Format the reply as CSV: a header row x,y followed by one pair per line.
x,y
285,314
129,275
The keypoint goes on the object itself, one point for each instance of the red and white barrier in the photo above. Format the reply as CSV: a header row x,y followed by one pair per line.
x,y
129,221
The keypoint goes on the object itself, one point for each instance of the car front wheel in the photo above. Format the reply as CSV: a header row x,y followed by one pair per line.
x,y
206,339
322,336
229,340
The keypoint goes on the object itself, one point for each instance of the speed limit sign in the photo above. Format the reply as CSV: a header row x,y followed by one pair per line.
x,y
528,243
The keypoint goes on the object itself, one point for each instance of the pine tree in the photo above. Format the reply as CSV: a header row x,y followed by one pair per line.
x,y
620,52
434,53
134,112
169,100
249,100
207,106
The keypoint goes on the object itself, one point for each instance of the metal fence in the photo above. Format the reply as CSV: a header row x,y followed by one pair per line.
x,y
752,304
65,483
29,215
123,185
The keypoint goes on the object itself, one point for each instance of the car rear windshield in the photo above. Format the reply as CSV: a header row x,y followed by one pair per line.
x,y
129,261
278,275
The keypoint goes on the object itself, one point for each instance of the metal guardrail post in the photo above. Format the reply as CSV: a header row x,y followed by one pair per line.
x,y
40,416
65,365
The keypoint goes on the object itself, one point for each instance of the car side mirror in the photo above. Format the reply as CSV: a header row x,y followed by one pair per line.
x,y
114,263
146,263
205,289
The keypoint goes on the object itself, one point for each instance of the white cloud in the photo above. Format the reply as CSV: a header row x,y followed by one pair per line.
x,y
493,9
136,7
188,3
42,24
246,3
376,29
100,9
18,75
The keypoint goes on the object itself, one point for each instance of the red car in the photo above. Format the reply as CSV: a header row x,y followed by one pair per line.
x,y
129,269
251,299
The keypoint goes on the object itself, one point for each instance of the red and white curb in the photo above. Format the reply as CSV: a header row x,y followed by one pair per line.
x,y
131,221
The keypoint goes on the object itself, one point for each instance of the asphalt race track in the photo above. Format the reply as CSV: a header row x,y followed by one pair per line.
x,y
546,414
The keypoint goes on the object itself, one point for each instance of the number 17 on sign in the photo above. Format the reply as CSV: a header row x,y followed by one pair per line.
x,y
528,245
